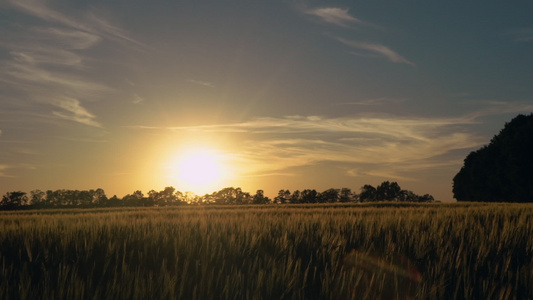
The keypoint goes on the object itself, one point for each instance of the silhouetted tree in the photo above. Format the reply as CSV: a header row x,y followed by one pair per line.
x,y
166,196
38,197
283,196
14,199
309,196
501,171
388,191
153,198
345,195
114,201
99,196
259,198
134,199
426,198
368,193
296,197
329,196
85,197
408,196
191,198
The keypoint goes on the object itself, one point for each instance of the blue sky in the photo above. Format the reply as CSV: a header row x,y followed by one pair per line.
x,y
289,94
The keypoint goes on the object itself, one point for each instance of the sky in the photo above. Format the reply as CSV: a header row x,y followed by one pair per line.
x,y
134,95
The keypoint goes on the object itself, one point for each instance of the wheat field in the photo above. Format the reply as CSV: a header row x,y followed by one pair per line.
x,y
350,251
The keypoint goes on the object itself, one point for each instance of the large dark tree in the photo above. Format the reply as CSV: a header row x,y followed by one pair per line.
x,y
501,171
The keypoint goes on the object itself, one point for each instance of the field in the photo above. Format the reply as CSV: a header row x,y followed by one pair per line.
x,y
353,251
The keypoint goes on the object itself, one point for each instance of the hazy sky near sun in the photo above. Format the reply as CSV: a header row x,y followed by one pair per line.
x,y
289,94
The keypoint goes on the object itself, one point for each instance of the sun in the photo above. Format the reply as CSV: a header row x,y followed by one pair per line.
x,y
200,170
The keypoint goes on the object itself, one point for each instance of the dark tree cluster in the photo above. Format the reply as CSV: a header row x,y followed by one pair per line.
x,y
387,191
57,198
501,171
390,191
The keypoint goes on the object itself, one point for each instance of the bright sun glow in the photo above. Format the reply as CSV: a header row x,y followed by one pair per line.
x,y
200,171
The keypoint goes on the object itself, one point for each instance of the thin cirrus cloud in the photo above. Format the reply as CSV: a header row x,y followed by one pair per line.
x,y
90,23
375,50
3,169
200,82
334,15
522,34
72,110
299,141
368,145
47,63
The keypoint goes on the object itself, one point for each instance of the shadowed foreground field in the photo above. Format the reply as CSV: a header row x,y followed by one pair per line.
x,y
378,251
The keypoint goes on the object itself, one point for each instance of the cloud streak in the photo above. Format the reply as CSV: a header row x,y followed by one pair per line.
x,y
203,83
522,35
48,64
378,50
3,171
278,144
73,111
381,146
334,15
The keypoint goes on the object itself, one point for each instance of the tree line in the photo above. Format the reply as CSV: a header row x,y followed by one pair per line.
x,y
386,191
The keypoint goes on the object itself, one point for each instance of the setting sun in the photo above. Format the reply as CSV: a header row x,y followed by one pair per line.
x,y
200,170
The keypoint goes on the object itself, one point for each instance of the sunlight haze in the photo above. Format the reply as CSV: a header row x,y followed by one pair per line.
x,y
202,95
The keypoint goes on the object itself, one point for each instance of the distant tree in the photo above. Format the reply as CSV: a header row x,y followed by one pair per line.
x,y
38,197
309,196
50,200
14,199
368,193
283,196
166,196
57,197
388,191
296,197
408,196
242,197
153,198
134,199
114,201
99,196
230,195
345,195
426,198
502,170
329,196
191,198
85,197
259,198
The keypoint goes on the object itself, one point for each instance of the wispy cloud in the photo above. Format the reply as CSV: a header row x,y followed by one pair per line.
x,y
522,34
51,64
372,101
298,141
334,15
375,50
137,99
41,10
88,23
3,171
383,146
492,108
203,83
72,110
